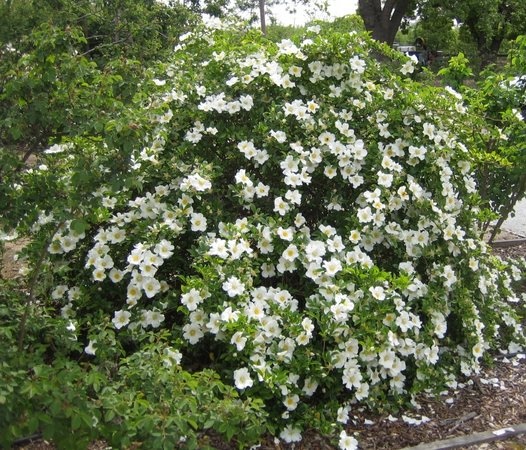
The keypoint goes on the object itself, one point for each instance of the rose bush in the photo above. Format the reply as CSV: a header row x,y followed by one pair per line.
x,y
300,216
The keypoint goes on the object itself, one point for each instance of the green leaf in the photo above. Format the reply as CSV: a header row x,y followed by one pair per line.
x,y
209,423
110,414
193,423
76,421
32,424
79,226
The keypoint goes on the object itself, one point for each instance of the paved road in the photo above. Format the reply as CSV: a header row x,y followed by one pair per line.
x,y
517,224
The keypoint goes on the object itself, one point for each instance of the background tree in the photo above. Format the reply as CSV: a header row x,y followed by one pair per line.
x,y
263,11
142,30
484,27
383,18
435,25
65,65
262,16
490,23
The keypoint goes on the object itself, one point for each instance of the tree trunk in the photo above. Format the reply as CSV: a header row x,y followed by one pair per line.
x,y
262,16
489,55
383,22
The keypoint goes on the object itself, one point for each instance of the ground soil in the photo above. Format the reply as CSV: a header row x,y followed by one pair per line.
x,y
10,266
493,400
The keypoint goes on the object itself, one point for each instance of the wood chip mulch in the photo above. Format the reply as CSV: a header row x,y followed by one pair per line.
x,y
496,399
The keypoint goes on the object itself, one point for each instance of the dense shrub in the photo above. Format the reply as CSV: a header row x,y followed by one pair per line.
x,y
300,217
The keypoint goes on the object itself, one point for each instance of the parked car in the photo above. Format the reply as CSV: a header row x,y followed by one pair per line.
x,y
419,49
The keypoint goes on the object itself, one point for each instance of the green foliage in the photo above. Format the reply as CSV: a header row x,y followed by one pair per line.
x,y
457,71
517,55
144,30
499,137
162,404
145,397
350,23
40,92
19,17
51,93
278,32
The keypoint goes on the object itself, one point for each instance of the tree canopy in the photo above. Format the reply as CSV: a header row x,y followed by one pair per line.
x,y
487,25
128,28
